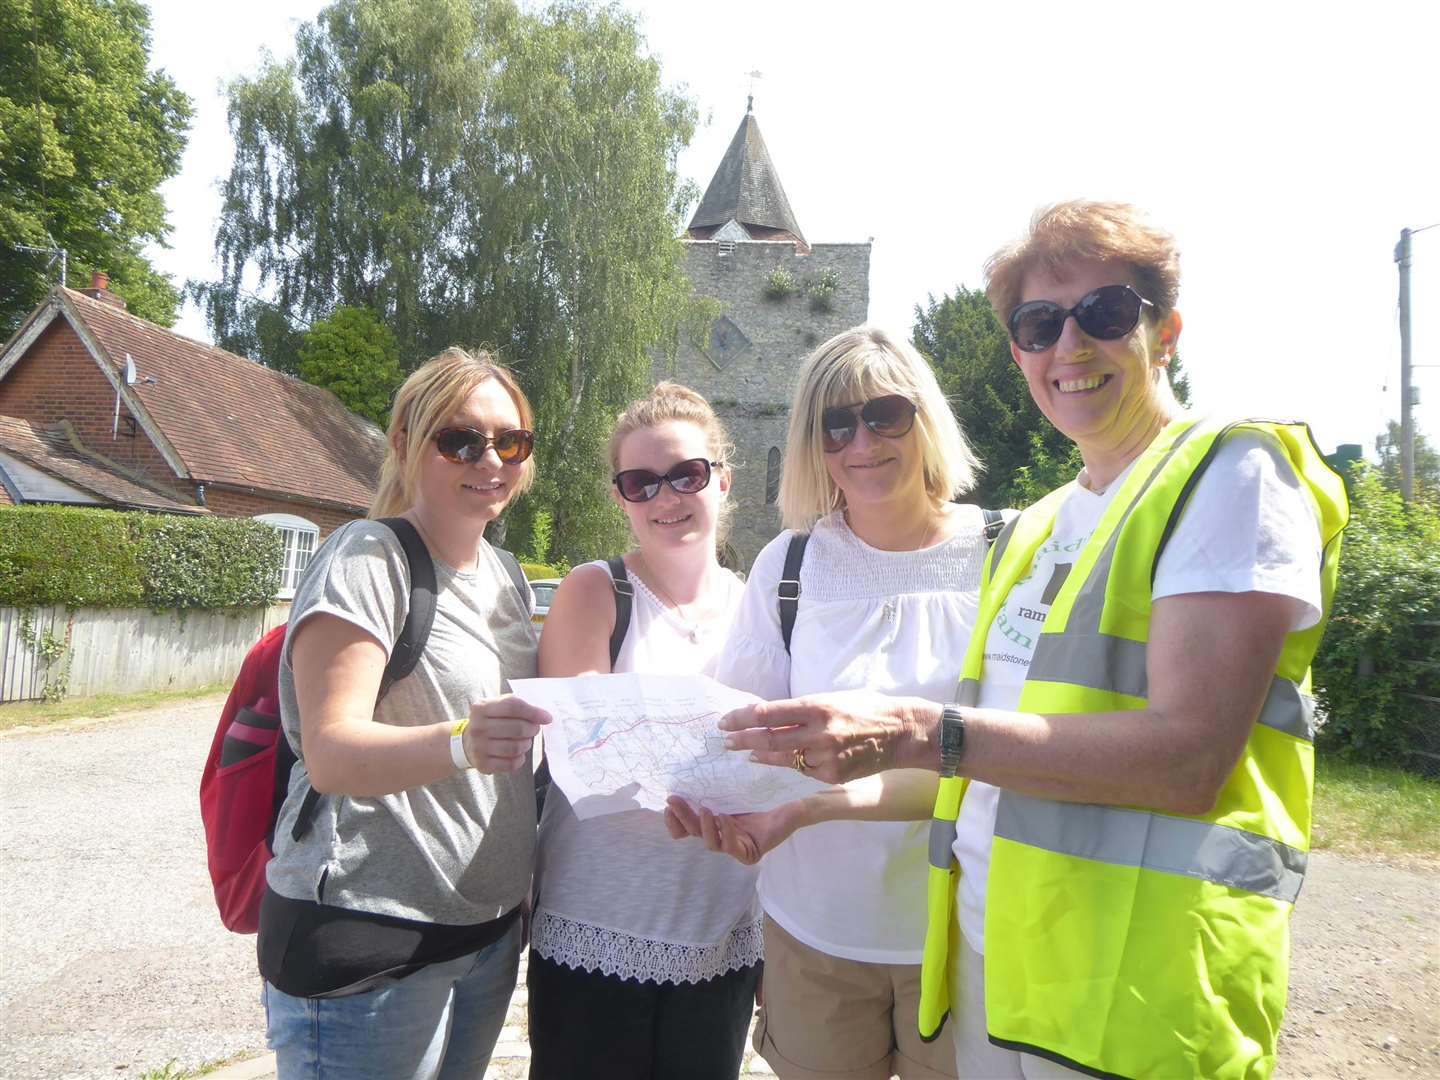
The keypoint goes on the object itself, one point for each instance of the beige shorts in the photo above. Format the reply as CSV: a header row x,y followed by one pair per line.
x,y
825,1018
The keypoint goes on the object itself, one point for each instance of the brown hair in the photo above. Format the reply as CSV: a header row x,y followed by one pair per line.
x,y
1083,229
671,401
433,393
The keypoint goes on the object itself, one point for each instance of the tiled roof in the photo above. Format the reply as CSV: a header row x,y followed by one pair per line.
x,y
746,188
54,453
233,421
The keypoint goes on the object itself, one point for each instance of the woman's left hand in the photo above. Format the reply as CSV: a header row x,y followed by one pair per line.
x,y
744,837
838,736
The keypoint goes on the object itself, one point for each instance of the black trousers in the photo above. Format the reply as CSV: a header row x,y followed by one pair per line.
x,y
588,1026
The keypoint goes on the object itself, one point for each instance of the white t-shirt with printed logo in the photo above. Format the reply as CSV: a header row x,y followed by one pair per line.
x,y
1248,527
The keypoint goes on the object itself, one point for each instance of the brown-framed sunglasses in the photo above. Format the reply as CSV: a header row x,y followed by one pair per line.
x,y
463,445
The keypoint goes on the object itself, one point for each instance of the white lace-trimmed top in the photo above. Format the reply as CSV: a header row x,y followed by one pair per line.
x,y
615,894
896,622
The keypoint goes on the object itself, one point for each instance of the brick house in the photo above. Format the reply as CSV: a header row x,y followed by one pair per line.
x,y
190,428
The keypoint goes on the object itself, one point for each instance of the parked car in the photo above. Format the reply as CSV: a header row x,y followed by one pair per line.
x,y
544,590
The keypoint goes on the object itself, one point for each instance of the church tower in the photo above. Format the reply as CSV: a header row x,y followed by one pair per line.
x,y
780,296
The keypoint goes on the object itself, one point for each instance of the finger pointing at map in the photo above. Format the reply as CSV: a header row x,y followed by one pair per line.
x,y
619,742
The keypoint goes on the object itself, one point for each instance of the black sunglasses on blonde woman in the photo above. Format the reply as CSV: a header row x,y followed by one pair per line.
x,y
686,478
1106,314
463,445
890,417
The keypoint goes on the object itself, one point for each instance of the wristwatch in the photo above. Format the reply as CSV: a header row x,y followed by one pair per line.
x,y
952,739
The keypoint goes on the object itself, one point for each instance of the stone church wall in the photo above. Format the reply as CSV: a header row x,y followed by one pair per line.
x,y
750,385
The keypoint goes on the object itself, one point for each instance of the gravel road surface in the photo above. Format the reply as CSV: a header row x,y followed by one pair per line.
x,y
113,960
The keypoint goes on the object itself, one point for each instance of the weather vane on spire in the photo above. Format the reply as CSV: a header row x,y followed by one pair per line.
x,y
750,95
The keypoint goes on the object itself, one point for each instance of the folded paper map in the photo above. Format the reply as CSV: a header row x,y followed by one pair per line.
x,y
620,742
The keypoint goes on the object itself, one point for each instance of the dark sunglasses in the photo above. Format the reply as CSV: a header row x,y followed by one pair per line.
x,y
1105,314
463,445
686,478
890,417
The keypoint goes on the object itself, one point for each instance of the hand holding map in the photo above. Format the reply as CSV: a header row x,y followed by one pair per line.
x,y
618,742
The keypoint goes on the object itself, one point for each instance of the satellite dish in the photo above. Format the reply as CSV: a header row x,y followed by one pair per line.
x,y
129,370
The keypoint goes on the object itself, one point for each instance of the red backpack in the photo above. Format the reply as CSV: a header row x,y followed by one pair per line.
x,y
247,773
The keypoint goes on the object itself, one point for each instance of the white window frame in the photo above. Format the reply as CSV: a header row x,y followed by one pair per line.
x,y
301,538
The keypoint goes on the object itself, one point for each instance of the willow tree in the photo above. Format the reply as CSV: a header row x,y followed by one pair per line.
x,y
477,175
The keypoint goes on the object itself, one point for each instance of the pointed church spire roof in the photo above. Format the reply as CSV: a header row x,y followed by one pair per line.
x,y
746,189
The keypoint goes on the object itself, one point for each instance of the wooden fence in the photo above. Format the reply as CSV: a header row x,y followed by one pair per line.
x,y
76,652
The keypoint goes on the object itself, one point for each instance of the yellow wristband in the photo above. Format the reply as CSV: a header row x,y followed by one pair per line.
x,y
458,757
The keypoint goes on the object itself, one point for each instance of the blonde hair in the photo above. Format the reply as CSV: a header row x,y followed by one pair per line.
x,y
862,363
1083,229
433,393
670,401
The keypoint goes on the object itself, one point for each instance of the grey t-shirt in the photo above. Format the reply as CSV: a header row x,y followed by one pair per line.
x,y
457,851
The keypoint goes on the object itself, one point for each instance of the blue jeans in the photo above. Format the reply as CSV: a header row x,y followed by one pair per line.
x,y
440,1023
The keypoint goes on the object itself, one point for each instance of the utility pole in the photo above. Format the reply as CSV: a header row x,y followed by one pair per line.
x,y
1407,420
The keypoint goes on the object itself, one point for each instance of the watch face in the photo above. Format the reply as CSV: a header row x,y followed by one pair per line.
x,y
726,342
952,736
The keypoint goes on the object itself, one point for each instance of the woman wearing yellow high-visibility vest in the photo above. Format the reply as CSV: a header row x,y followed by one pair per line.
x,y
1122,818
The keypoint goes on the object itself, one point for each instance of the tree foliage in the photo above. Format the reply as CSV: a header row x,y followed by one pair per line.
x,y
1024,456
969,348
87,136
1427,463
1382,646
354,356
476,175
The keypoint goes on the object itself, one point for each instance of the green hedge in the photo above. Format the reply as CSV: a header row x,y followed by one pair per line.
x,y
1382,647
105,558
538,571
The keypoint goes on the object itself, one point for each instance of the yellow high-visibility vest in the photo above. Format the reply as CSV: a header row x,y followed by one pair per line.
x,y
1121,941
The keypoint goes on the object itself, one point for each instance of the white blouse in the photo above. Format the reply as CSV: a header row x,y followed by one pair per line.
x,y
896,622
615,894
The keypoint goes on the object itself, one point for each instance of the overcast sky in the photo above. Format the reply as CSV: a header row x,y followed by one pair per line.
x,y
1285,144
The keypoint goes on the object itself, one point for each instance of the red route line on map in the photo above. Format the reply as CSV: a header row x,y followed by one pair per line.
x,y
638,723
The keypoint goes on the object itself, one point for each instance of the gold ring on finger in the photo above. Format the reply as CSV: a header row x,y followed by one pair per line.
x,y
799,761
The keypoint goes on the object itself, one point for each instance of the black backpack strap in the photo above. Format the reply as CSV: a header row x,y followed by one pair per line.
x,y
408,647
624,595
787,591
517,576
994,525
420,615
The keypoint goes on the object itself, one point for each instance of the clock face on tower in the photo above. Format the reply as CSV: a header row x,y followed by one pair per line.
x,y
726,342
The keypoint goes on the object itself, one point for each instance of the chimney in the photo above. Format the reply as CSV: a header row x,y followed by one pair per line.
x,y
100,290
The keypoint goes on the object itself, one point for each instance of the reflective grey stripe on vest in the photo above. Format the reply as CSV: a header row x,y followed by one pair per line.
x,y
1087,658
1090,600
1002,542
942,843
1198,849
1287,709
1117,665
968,693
